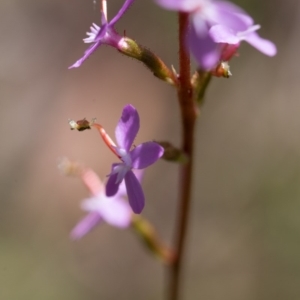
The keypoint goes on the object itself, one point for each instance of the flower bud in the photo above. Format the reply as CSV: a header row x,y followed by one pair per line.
x,y
222,70
172,153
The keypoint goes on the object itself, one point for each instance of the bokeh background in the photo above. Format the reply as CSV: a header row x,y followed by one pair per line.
x,y
244,239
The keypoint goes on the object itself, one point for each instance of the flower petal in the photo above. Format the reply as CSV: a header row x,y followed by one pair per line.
x,y
135,193
139,174
85,225
122,188
204,49
112,185
223,34
92,48
263,45
128,127
87,53
120,12
116,212
103,29
187,5
230,15
146,154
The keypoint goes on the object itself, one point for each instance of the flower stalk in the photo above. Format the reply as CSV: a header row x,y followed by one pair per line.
x,y
146,232
188,118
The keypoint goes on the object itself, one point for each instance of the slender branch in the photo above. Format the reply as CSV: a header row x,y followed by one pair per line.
x,y
188,116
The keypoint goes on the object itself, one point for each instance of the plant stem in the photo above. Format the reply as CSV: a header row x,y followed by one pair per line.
x,y
188,118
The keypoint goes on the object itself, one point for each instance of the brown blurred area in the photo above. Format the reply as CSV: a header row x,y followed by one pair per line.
x,y
244,239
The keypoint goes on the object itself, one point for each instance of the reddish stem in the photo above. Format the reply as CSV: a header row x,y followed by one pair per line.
x,y
188,118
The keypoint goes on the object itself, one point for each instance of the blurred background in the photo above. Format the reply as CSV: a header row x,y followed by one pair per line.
x,y
244,239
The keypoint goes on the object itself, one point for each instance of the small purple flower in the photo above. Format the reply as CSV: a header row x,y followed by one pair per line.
x,y
113,210
106,34
215,22
139,157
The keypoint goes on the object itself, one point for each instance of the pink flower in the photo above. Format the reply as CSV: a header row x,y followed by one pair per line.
x,y
112,210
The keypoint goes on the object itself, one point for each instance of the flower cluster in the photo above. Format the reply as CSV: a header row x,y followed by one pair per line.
x,y
214,35
214,26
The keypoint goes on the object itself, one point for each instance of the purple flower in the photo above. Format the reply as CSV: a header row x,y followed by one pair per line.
x,y
113,210
224,35
106,34
139,157
214,22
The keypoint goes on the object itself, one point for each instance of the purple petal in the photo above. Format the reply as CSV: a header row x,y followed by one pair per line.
x,y
116,212
223,34
200,25
120,12
85,225
139,174
87,53
230,15
92,48
122,188
135,193
145,155
204,49
262,45
228,7
128,127
112,186
179,5
102,31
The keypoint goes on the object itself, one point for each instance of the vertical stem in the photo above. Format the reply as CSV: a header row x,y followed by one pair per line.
x,y
188,118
